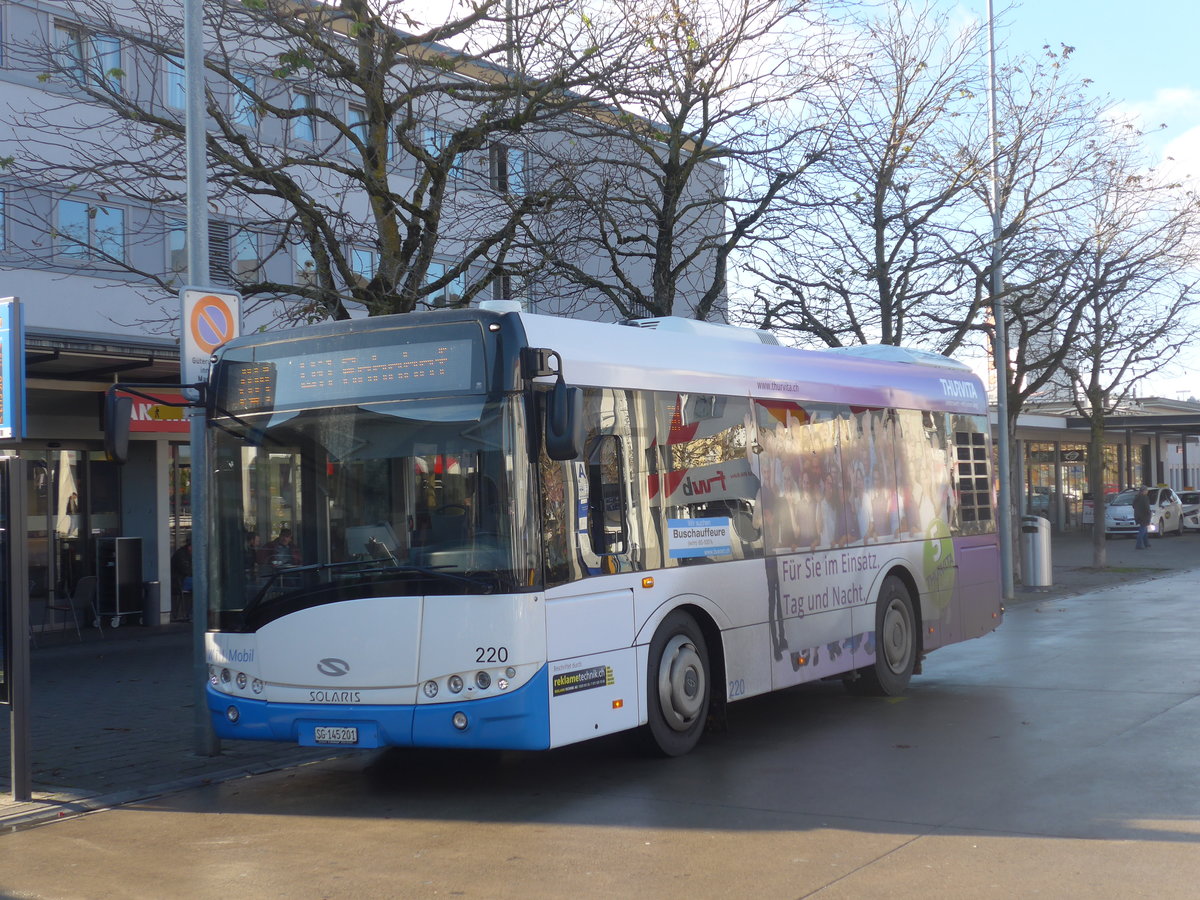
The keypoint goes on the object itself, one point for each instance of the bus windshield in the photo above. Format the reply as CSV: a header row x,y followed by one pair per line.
x,y
402,498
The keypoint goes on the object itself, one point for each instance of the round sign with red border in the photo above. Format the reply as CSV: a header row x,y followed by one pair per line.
x,y
211,323
208,320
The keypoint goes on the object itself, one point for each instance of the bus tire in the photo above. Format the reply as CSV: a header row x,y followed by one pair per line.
x,y
678,686
895,643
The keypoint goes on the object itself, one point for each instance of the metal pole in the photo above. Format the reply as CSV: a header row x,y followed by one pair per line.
x,y
205,742
1000,344
20,741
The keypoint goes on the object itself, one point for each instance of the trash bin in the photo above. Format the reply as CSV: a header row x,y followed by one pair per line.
x,y
151,603
1035,552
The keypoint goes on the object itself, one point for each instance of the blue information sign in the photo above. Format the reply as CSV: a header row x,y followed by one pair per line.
x,y
12,370
699,537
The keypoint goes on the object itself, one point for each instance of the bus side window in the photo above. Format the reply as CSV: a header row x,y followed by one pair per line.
x,y
606,496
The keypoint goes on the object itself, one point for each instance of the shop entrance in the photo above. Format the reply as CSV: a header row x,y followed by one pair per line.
x,y
1056,482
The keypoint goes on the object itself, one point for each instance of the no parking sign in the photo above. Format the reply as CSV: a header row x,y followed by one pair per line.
x,y
210,318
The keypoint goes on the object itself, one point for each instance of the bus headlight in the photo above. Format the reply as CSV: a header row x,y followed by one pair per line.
x,y
232,714
241,681
459,720
455,683
483,680
431,689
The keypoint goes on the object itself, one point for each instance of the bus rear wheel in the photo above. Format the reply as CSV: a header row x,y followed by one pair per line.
x,y
895,643
679,685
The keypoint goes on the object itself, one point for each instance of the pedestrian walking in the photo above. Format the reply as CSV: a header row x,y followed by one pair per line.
x,y
1141,517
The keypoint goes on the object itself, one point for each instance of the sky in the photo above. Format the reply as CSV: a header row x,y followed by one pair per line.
x,y
1142,54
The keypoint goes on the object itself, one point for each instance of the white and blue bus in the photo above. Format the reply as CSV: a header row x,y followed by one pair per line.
x,y
489,529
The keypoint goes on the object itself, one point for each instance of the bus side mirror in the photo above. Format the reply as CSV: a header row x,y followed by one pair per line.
x,y
564,421
118,412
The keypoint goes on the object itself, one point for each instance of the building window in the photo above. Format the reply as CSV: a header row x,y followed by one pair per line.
x,y
304,127
245,259
87,231
69,50
507,166
449,295
306,266
107,54
356,121
176,83
88,57
435,141
244,109
177,255
363,263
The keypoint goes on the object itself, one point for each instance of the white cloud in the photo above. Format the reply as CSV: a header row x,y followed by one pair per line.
x,y
1178,103
1171,123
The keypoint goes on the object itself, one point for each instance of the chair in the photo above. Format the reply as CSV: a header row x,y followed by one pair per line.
x,y
448,524
82,598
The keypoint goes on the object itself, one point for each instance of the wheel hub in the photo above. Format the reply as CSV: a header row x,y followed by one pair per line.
x,y
896,637
680,683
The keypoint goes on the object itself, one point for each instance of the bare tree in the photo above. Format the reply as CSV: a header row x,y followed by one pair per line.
x,y
1134,283
358,137
1053,138
726,106
871,250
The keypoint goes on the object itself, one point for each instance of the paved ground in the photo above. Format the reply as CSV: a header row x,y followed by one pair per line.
x,y
112,717
112,721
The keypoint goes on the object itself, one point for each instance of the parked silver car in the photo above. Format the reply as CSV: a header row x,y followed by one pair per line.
x,y
1166,512
1191,510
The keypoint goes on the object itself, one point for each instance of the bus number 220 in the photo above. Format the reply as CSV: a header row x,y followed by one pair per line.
x,y
491,654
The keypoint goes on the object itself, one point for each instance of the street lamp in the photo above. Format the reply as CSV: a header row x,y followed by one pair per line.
x,y
205,743
1000,341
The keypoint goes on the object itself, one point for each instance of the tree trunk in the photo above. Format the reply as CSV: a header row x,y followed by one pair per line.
x,y
1016,501
1095,469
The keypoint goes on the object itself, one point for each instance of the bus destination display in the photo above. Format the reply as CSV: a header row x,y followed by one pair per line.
x,y
374,373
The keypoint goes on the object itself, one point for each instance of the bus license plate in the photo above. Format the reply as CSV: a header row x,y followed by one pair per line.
x,y
328,734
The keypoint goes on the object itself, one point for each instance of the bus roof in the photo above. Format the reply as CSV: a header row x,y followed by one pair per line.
x,y
703,360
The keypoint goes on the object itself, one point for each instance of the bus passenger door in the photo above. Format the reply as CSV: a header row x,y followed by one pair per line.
x,y
604,545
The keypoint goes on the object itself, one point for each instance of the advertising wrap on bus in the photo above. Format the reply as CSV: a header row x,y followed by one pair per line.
x,y
401,555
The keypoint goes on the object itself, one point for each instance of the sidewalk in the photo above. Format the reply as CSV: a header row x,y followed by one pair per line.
x,y
1072,556
112,722
112,717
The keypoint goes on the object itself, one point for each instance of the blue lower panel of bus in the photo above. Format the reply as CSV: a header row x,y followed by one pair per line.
x,y
516,721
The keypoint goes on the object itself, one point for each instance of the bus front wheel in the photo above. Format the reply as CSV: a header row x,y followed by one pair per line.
x,y
678,685
895,643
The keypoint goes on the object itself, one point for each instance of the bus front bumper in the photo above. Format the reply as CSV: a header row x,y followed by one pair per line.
x,y
516,721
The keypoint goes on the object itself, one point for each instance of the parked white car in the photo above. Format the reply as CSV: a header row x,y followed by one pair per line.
x,y
1191,510
1166,512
